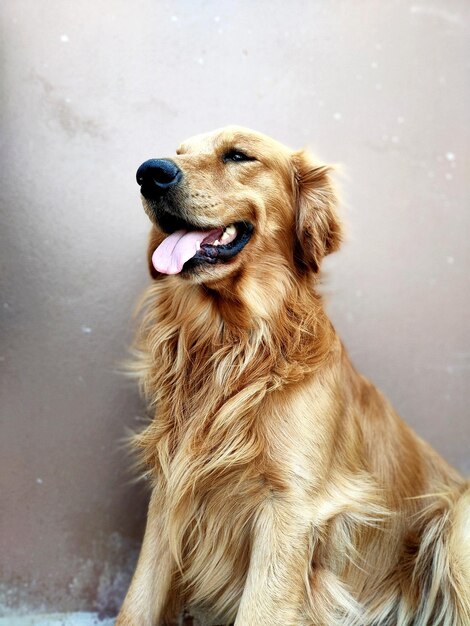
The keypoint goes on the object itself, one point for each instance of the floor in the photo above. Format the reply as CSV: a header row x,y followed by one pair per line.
x,y
70,619
56,619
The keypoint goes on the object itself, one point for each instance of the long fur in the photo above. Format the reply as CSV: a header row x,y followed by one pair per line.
x,y
285,488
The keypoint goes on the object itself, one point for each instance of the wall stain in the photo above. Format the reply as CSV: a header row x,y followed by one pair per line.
x,y
98,582
71,122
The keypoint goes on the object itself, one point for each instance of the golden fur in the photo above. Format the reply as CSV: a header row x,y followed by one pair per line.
x,y
285,489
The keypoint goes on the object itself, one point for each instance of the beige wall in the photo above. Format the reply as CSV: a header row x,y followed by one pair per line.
x,y
88,91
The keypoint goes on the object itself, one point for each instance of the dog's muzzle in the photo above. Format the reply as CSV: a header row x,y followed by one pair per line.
x,y
156,177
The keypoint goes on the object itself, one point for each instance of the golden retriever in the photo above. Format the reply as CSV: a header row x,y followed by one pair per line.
x,y
285,489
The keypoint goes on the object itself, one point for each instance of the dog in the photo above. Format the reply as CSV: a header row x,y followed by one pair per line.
x,y
285,490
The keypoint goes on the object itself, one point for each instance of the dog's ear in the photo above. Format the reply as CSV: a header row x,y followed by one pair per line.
x,y
318,228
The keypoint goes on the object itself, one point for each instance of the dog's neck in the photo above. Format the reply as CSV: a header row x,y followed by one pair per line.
x,y
206,363
284,331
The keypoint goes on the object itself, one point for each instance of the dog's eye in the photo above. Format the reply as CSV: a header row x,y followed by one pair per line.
x,y
237,156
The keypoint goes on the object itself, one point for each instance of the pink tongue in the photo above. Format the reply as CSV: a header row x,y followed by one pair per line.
x,y
176,249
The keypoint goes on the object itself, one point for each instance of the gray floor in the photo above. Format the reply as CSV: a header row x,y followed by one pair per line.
x,y
56,619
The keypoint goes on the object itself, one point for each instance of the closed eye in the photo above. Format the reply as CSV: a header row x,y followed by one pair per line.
x,y
237,156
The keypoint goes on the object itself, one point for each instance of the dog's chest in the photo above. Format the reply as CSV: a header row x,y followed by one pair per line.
x,y
223,449
214,536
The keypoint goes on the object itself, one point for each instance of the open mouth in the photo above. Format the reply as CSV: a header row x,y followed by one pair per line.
x,y
190,247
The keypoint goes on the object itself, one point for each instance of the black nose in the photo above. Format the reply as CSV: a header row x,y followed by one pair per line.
x,y
156,176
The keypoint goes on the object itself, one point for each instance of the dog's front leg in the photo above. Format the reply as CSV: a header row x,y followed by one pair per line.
x,y
274,588
149,589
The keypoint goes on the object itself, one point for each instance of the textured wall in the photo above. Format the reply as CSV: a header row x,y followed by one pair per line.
x,y
88,91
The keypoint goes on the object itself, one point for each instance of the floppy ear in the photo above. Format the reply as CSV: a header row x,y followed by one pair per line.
x,y
318,228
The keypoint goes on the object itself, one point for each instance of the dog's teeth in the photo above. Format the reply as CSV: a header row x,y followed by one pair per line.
x,y
216,243
230,230
225,236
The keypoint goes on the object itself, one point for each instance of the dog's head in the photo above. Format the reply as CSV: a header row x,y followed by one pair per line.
x,y
235,199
